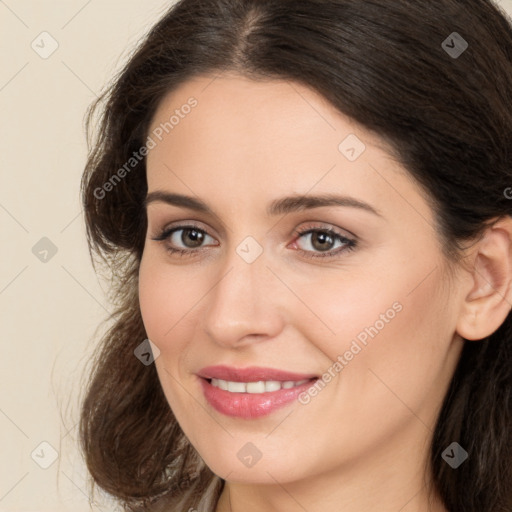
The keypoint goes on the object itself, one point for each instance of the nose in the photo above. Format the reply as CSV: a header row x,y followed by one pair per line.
x,y
244,304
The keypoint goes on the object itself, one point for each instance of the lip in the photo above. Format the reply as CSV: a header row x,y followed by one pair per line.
x,y
251,374
250,405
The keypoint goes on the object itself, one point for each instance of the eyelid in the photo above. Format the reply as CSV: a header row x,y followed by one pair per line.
x,y
350,241
169,229
324,226
182,225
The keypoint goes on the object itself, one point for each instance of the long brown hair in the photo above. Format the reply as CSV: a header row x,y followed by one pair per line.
x,y
445,108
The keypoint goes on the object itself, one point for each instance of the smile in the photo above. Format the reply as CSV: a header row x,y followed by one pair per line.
x,y
251,400
255,387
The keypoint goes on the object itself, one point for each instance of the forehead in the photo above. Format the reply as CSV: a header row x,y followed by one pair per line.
x,y
232,135
255,111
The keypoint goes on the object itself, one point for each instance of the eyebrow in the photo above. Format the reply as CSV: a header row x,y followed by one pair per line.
x,y
279,206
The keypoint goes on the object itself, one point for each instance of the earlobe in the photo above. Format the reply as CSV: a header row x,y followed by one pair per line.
x,y
489,301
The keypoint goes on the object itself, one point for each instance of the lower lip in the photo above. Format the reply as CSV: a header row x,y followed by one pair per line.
x,y
250,405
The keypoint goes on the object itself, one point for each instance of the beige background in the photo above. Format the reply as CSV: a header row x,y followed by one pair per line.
x,y
50,309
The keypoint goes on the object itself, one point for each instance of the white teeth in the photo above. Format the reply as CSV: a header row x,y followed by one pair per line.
x,y
236,387
222,384
272,385
255,387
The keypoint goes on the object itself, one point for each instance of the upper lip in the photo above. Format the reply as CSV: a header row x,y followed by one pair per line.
x,y
251,374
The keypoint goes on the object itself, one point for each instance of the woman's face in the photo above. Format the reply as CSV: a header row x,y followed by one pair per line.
x,y
365,307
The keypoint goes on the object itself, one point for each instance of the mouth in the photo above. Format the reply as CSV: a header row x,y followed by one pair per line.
x,y
257,387
252,374
252,392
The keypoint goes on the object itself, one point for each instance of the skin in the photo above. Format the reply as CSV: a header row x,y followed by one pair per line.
x,y
363,442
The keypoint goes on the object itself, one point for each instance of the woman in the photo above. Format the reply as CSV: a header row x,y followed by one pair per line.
x,y
304,207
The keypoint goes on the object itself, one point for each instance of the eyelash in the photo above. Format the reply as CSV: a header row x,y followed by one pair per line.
x,y
350,244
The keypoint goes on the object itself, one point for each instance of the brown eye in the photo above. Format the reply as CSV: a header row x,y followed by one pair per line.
x,y
191,237
322,241
185,240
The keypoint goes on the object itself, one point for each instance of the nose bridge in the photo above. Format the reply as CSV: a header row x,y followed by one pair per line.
x,y
242,301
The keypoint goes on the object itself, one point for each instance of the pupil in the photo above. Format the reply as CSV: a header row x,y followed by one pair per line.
x,y
194,235
323,238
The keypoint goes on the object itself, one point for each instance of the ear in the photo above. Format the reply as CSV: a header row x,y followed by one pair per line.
x,y
489,300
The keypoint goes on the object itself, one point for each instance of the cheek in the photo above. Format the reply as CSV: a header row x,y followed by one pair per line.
x,y
394,344
336,310
390,373
396,325
166,296
151,299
